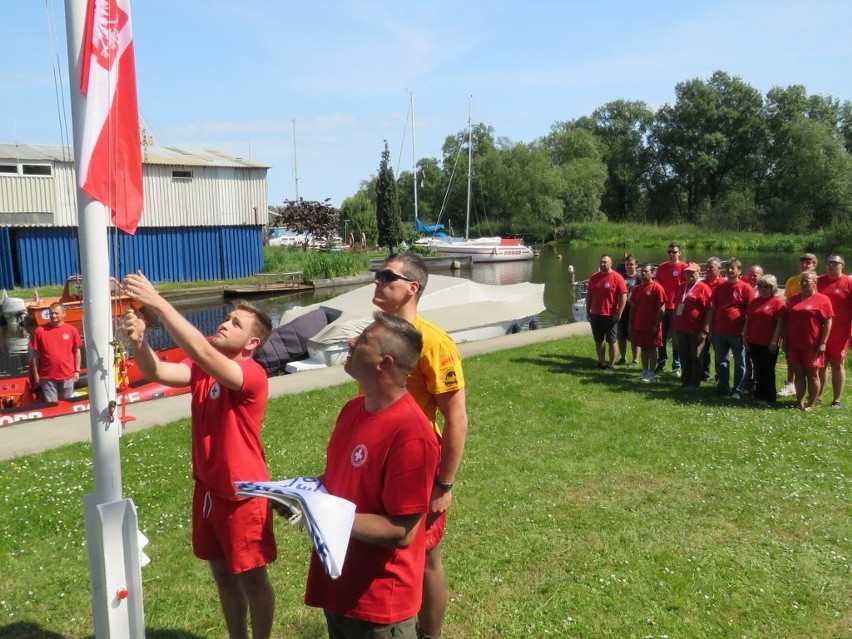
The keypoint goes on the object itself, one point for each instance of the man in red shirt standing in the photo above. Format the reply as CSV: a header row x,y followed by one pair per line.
x,y
670,275
837,287
692,301
382,456
648,304
229,394
726,318
606,297
56,356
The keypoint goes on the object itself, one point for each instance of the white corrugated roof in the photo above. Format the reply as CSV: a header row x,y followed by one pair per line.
x,y
152,155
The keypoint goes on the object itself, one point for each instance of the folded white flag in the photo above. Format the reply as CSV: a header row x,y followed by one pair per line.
x,y
327,518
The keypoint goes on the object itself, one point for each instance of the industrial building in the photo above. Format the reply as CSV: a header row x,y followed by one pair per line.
x,y
204,217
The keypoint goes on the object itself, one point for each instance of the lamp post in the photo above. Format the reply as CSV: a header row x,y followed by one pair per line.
x,y
345,234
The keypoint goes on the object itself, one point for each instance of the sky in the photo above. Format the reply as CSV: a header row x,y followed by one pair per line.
x,y
233,75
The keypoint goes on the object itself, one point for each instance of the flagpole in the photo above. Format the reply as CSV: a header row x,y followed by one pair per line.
x,y
111,530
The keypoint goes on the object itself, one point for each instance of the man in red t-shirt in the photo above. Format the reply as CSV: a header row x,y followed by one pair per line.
x,y
56,356
670,275
606,297
837,287
382,456
229,395
725,320
648,304
692,301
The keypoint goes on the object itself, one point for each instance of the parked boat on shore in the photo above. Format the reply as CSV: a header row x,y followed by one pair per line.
x,y
466,310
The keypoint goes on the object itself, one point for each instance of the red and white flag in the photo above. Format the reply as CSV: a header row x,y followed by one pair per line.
x,y
111,156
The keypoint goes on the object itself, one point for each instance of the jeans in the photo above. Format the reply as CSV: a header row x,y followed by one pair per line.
x,y
668,336
729,348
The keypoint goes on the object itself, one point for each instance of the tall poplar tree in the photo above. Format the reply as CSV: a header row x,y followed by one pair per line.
x,y
387,205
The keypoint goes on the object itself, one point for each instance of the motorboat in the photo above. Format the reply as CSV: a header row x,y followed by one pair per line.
x,y
13,310
21,401
72,299
467,310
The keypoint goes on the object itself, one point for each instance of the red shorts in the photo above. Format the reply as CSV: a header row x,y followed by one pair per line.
x,y
837,345
435,532
648,339
239,531
804,357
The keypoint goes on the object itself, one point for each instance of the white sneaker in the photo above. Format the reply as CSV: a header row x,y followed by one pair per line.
x,y
787,390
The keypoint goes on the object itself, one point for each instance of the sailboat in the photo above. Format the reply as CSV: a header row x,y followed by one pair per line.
x,y
483,249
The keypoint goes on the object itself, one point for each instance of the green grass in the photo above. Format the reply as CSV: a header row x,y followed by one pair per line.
x,y
587,506
692,236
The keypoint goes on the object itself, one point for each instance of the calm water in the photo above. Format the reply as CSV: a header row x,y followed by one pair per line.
x,y
552,268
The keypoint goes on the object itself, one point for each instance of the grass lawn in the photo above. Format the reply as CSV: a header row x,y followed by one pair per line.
x,y
588,505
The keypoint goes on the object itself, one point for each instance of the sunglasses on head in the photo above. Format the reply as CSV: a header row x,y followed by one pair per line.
x,y
386,276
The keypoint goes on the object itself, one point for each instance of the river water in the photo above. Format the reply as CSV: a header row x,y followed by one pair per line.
x,y
556,267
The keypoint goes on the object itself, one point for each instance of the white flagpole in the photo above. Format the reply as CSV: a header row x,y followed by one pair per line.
x,y
111,529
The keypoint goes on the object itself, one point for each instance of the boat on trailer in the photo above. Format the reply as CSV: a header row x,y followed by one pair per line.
x,y
467,310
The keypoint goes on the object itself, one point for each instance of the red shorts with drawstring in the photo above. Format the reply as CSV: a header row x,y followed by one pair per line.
x,y
837,345
236,530
435,532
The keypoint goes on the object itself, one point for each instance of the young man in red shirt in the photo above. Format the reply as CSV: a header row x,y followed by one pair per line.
x,y
606,297
670,275
56,356
726,319
382,456
229,395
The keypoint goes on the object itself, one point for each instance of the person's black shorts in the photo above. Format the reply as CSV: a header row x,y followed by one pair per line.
x,y
604,328
624,324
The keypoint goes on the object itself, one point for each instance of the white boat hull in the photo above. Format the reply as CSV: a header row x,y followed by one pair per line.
x,y
466,310
482,250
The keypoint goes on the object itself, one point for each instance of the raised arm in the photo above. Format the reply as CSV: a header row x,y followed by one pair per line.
x,y
227,371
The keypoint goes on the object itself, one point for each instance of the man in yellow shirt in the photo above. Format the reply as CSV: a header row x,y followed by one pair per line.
x,y
437,384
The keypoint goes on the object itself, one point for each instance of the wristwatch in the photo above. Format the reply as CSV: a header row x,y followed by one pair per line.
x,y
444,485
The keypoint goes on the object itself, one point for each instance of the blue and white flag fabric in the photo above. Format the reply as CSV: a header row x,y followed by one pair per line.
x,y
328,518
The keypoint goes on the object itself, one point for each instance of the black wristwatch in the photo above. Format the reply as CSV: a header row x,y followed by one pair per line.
x,y
444,485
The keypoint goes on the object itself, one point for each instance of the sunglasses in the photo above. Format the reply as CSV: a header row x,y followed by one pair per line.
x,y
673,252
833,262
386,276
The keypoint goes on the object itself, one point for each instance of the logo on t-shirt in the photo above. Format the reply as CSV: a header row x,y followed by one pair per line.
x,y
450,378
215,391
675,273
359,455
606,284
66,336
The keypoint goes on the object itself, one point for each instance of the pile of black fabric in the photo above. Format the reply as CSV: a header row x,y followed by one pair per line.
x,y
289,343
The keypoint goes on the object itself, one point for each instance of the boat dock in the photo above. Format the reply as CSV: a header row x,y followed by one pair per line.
x,y
269,284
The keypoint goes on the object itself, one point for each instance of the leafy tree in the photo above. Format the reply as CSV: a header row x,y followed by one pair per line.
x,y
711,135
387,204
361,213
576,152
317,220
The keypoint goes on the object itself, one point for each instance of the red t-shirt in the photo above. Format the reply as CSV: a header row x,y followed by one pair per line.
x,y
604,290
839,291
805,319
714,283
670,276
696,303
226,445
645,302
386,463
762,316
731,300
56,346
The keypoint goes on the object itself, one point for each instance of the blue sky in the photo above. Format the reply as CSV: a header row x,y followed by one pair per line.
x,y
232,74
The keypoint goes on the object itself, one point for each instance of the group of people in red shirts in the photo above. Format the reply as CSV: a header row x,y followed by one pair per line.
x,y
740,318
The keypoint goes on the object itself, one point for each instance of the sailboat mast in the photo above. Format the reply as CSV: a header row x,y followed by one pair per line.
x,y
414,157
295,165
469,167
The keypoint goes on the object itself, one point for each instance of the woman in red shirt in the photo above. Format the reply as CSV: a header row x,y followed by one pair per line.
x,y
808,325
762,331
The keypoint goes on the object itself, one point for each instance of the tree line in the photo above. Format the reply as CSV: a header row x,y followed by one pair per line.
x,y
722,156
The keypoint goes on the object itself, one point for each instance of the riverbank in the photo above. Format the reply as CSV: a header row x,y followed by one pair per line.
x,y
25,438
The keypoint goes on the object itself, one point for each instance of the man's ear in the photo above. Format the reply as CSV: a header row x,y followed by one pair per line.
x,y
253,343
386,362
